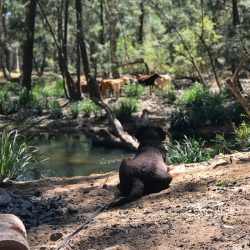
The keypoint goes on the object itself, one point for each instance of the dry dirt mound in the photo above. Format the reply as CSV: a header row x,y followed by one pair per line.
x,y
207,207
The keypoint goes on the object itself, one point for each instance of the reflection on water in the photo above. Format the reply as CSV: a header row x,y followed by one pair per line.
x,y
73,155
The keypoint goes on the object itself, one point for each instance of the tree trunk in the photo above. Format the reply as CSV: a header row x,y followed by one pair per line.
x,y
141,23
101,34
28,44
4,51
125,139
236,21
70,88
112,18
236,17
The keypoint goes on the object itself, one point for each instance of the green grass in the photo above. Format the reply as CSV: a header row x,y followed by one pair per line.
x,y
189,150
16,156
133,90
89,107
125,108
55,109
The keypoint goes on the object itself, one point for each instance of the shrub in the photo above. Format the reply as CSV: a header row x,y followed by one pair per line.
x,y
240,141
187,151
8,105
89,108
171,95
16,156
56,89
242,137
74,110
133,90
125,107
29,101
193,93
221,145
200,107
56,111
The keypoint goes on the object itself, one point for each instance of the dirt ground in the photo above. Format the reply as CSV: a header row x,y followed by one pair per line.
x,y
206,207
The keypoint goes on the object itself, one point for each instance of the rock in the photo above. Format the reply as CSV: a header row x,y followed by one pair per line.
x,y
27,205
72,210
56,236
37,193
4,198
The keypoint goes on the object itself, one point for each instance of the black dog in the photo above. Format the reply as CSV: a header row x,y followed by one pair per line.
x,y
147,172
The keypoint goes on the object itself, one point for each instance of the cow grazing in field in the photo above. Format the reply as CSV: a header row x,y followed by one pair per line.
x,y
148,80
164,82
113,86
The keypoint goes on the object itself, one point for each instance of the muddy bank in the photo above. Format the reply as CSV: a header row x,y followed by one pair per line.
x,y
206,207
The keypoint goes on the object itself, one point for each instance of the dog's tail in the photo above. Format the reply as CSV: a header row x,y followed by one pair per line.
x,y
136,193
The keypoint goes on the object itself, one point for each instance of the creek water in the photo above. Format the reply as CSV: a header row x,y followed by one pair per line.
x,y
74,155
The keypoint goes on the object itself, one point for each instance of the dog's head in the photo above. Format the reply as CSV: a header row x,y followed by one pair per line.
x,y
155,133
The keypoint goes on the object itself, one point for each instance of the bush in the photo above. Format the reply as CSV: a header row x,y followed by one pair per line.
x,y
29,101
242,137
240,141
125,107
133,90
16,156
89,108
200,107
193,94
56,89
56,111
188,150
170,95
8,105
74,110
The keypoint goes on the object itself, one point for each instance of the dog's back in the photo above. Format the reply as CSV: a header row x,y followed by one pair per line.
x,y
147,172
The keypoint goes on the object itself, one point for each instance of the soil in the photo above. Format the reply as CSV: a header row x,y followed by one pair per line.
x,y
206,207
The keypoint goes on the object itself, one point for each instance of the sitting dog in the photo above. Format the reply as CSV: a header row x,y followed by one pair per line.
x,y
147,172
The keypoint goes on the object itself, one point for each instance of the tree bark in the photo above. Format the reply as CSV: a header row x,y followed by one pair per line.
x,y
28,44
101,34
236,17
141,23
233,85
4,51
112,19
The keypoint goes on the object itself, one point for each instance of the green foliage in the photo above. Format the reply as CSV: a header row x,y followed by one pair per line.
x,y
55,109
29,101
170,95
193,94
187,151
55,89
242,136
221,145
125,107
16,156
240,141
199,107
133,90
8,105
74,110
89,107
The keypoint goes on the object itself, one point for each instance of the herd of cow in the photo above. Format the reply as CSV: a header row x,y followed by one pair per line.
x,y
113,87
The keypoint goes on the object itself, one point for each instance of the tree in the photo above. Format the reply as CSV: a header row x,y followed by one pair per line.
x,y
28,44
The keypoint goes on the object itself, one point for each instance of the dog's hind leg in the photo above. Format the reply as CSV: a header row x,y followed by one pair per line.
x,y
136,193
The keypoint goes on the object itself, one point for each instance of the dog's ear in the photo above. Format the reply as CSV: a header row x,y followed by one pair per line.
x,y
161,132
139,133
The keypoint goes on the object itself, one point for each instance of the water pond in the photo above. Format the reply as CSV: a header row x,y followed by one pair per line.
x,y
74,155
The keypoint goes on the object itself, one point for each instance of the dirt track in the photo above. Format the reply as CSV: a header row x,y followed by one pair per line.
x,y
206,207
